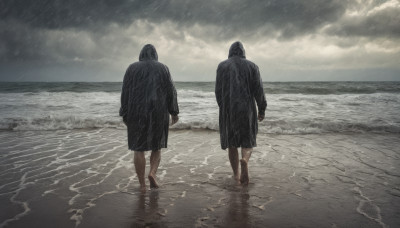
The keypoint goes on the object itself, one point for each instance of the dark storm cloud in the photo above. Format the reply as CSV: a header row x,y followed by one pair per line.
x,y
23,22
291,17
108,33
19,42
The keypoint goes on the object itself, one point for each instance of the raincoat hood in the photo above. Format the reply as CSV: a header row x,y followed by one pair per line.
x,y
237,49
148,53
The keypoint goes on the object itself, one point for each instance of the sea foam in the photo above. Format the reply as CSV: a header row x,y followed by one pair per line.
x,y
287,113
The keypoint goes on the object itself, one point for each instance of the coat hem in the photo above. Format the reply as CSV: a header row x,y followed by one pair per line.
x,y
226,147
147,149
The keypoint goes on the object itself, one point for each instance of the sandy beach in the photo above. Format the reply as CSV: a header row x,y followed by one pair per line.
x,y
86,178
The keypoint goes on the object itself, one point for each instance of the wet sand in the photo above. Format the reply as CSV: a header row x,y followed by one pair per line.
x,y
85,178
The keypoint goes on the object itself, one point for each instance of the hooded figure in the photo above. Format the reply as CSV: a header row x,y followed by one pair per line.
x,y
238,87
148,97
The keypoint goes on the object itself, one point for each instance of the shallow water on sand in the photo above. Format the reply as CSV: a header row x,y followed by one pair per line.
x,y
85,178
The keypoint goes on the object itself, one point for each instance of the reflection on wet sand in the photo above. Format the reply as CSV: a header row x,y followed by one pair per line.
x,y
147,213
237,212
87,178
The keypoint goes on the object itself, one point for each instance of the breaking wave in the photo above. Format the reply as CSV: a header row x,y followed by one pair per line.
x,y
270,127
293,108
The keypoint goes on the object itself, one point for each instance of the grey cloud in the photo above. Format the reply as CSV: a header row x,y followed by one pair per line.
x,y
20,43
291,18
56,14
25,22
385,23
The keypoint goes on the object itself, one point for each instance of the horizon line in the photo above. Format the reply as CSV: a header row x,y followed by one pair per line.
x,y
199,81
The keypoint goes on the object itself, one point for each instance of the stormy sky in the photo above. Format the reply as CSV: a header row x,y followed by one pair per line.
x,y
290,40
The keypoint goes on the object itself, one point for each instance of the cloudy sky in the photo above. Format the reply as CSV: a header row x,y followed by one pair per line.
x,y
290,40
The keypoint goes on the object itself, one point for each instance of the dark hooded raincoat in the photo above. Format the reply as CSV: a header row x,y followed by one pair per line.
x,y
148,97
238,86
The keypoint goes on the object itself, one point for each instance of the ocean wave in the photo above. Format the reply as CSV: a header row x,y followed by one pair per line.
x,y
184,93
318,88
267,126
58,123
311,127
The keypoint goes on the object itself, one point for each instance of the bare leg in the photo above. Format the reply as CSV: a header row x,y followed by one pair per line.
x,y
246,153
140,166
155,159
234,159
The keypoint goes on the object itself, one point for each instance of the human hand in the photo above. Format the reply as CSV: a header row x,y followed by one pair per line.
x,y
174,119
260,117
125,120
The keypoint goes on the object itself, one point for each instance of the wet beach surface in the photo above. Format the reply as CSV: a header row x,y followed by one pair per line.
x,y
86,178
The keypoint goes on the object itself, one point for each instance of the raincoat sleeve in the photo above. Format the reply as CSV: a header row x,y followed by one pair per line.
x,y
218,87
172,100
123,111
259,95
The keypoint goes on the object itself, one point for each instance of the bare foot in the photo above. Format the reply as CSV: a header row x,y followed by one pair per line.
x,y
153,182
143,189
244,177
236,179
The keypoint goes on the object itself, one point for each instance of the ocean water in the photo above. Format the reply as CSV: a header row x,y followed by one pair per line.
x,y
293,107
